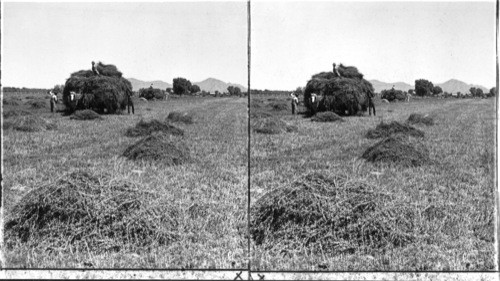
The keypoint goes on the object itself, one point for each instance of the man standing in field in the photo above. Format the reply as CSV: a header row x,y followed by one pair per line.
x,y
295,102
53,100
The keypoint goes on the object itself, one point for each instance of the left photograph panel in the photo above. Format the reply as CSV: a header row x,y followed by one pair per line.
x,y
124,135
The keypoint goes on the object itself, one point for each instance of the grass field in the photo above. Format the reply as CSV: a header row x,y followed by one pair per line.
x,y
215,181
460,182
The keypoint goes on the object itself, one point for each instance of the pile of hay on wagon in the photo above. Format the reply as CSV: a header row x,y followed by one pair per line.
x,y
347,94
82,211
103,91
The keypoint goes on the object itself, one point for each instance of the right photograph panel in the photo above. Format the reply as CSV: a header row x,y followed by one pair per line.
x,y
373,136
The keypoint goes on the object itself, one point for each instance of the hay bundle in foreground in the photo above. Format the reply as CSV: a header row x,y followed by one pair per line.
x,y
344,95
86,114
29,123
394,128
272,125
330,214
144,128
397,150
184,117
416,118
326,116
108,92
83,210
159,147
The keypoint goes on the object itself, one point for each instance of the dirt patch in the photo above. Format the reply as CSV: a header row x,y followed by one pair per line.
x,y
90,212
416,118
394,128
29,123
86,114
398,150
159,147
144,128
326,116
272,125
183,117
329,213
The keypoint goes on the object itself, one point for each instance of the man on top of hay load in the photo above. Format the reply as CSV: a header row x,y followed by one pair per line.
x,y
94,69
336,70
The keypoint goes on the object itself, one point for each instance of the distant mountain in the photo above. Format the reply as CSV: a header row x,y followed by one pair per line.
x,y
138,84
211,85
454,86
379,86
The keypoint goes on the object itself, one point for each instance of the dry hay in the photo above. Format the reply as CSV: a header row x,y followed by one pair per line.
x,y
29,123
183,117
86,114
326,116
394,128
398,150
159,147
255,114
106,92
345,95
143,128
108,70
37,103
89,212
11,101
272,125
152,93
13,113
278,105
416,118
329,214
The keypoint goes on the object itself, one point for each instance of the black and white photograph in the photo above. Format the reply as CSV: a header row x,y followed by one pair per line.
x,y
250,139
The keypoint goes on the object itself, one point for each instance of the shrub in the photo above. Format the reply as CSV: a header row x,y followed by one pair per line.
x,y
393,94
152,93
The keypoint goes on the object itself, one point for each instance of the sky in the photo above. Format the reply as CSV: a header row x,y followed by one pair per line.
x,y
387,41
399,41
43,43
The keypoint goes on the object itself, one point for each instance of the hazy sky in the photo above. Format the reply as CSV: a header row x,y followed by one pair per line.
x,y
387,41
44,42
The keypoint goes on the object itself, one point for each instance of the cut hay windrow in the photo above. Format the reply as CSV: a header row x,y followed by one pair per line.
x,y
29,123
329,214
83,212
326,116
272,125
183,117
17,112
11,101
278,106
145,128
37,103
161,148
416,118
85,114
398,150
394,128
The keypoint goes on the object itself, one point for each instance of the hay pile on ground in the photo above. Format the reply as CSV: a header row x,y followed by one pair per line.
x,y
144,128
86,114
272,125
326,116
398,150
329,215
394,128
29,123
36,104
89,212
11,101
278,105
416,118
13,113
108,92
183,117
159,147
255,114
344,95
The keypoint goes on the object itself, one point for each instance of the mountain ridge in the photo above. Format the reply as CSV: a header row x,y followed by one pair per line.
x,y
210,85
450,86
